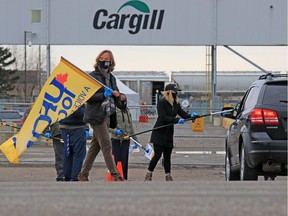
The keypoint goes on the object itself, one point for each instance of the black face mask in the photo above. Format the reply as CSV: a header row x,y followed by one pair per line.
x,y
104,64
123,105
174,95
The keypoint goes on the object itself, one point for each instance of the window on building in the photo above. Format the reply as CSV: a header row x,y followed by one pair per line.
x,y
36,16
133,85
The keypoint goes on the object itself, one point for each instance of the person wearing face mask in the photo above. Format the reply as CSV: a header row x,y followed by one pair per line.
x,y
169,111
99,111
120,145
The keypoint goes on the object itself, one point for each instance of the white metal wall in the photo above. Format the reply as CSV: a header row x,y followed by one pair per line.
x,y
184,22
226,81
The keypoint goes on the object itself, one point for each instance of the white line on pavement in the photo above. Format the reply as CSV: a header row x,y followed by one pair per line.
x,y
200,152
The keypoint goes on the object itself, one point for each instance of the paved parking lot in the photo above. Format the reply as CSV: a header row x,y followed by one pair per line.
x,y
29,188
198,197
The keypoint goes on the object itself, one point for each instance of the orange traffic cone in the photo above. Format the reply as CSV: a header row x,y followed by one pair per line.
x,y
109,177
120,168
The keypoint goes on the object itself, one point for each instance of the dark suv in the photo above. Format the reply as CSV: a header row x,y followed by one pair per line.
x,y
256,142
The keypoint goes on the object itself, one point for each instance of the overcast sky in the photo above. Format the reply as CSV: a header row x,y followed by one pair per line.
x,y
174,58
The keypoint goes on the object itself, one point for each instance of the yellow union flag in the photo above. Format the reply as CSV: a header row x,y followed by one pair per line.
x,y
65,91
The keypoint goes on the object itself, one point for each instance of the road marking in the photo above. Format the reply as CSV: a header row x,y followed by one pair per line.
x,y
201,152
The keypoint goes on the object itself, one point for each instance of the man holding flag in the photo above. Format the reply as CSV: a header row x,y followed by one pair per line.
x,y
67,89
98,113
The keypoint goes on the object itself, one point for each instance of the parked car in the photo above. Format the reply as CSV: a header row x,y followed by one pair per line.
x,y
11,116
256,142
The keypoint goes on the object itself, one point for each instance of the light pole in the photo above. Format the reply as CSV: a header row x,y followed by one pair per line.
x,y
25,63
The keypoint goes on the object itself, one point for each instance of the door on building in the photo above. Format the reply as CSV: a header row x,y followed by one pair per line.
x,y
156,87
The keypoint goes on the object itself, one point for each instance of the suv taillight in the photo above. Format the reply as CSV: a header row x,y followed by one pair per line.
x,y
270,117
264,116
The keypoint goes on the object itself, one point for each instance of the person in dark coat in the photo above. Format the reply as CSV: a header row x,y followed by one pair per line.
x,y
54,132
169,111
73,130
100,109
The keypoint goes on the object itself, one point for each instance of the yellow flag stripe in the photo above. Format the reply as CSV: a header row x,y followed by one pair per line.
x,y
9,150
80,72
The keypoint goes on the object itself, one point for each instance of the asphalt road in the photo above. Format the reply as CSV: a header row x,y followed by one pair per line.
x,y
30,189
201,198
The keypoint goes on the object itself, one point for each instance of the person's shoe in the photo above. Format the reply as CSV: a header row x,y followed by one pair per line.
x,y
119,178
83,179
169,178
60,179
148,177
269,178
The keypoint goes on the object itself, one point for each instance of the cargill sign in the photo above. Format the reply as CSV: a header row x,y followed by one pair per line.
x,y
145,22
142,19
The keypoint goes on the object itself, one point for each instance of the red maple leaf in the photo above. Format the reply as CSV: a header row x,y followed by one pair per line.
x,y
62,78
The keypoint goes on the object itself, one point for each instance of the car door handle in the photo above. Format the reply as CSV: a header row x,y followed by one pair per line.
x,y
243,119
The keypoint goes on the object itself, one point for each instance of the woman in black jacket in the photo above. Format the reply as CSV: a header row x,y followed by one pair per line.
x,y
169,111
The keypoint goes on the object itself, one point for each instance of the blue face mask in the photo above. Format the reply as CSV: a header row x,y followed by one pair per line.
x,y
104,64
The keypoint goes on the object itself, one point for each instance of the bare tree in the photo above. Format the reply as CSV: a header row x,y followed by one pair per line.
x,y
35,64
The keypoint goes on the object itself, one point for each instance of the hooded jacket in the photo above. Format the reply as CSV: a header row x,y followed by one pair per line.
x,y
124,123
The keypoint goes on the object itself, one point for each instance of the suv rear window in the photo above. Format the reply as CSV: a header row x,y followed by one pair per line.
x,y
275,95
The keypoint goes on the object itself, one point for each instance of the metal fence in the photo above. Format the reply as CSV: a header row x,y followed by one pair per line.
x,y
208,144
139,113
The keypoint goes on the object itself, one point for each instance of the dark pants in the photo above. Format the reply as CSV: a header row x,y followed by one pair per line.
x,y
75,151
158,150
120,150
59,157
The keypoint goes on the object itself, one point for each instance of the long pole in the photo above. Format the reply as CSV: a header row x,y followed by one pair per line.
x,y
246,59
214,55
48,39
25,67
194,118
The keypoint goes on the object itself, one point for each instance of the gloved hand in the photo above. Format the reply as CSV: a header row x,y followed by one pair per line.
x,y
118,132
47,135
108,92
194,115
181,121
87,134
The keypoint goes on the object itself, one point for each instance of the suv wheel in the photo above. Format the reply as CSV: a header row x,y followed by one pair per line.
x,y
229,175
246,173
